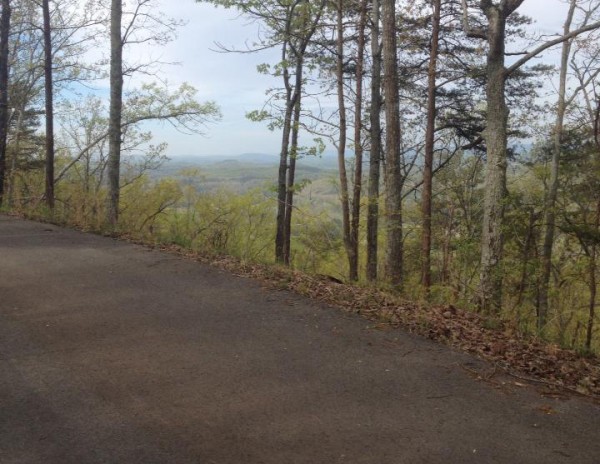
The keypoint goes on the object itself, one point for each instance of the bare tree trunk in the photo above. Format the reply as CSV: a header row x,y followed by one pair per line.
x,y
280,235
393,174
375,155
10,193
49,105
358,146
550,212
116,108
287,166
490,286
429,148
344,194
4,31
289,198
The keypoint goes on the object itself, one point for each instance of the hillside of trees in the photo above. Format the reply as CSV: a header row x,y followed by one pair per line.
x,y
466,172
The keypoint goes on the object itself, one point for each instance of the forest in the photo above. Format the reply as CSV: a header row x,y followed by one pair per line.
x,y
467,169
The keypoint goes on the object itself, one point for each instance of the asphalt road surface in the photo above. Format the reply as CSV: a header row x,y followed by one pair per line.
x,y
111,353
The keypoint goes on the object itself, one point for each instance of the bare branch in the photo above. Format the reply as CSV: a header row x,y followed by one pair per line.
x,y
550,44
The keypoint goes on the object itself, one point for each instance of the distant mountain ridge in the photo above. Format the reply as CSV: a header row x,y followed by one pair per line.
x,y
327,160
255,158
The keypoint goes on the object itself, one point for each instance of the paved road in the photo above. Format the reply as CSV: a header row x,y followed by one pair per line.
x,y
111,353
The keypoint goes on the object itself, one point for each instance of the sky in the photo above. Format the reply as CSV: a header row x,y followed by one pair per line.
x,y
231,79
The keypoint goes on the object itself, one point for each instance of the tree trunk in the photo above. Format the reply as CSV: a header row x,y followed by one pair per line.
x,y
10,193
393,174
358,146
344,194
550,212
490,286
280,235
285,181
116,107
429,147
375,155
49,105
291,174
4,31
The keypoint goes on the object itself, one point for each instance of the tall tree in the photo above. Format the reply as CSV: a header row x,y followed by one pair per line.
x,y
4,113
49,92
136,25
393,172
300,27
358,142
551,196
116,108
341,144
496,134
429,148
375,142
496,138
290,25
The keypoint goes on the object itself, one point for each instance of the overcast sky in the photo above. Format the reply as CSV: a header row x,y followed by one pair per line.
x,y
233,82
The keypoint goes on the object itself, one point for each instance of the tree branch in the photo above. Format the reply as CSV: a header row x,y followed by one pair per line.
x,y
549,44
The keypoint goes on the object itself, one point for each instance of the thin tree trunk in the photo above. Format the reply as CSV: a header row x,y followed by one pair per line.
x,y
358,146
116,108
296,101
375,155
490,286
14,159
344,194
550,207
49,105
393,174
4,32
289,199
280,235
429,148
293,96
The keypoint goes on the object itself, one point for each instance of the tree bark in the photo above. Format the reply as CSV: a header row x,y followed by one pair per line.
x,y
358,145
49,92
280,234
116,108
285,182
375,155
490,286
429,148
393,174
4,32
291,174
550,207
344,193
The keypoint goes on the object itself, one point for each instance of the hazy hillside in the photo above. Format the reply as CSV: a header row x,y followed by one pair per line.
x,y
240,173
